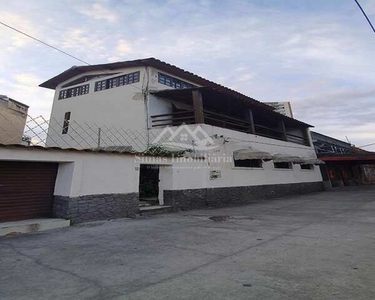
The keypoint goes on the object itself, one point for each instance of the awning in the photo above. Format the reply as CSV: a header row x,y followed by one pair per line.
x,y
278,158
243,154
313,161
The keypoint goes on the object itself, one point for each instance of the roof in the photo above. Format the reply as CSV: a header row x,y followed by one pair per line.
x,y
215,94
328,139
6,98
153,62
368,158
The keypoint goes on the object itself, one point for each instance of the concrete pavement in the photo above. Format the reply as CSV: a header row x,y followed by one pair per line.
x,y
316,246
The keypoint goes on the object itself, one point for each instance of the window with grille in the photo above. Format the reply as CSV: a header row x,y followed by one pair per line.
x,y
74,92
117,81
173,82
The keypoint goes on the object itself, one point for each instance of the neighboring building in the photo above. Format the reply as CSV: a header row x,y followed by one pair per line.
x,y
284,108
344,164
13,115
239,150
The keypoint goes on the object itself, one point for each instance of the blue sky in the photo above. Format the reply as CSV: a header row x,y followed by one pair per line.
x,y
319,55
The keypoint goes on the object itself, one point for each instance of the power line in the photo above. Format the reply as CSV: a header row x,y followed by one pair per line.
x,y
368,20
44,43
367,145
55,48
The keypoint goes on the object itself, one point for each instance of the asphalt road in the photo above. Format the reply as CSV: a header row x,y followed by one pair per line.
x,y
317,246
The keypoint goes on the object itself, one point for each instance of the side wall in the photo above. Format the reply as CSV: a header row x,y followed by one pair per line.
x,y
89,186
12,124
119,107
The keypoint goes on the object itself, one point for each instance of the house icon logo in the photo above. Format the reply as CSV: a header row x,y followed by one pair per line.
x,y
183,137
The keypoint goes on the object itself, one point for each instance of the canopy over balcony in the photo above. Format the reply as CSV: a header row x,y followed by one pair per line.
x,y
234,111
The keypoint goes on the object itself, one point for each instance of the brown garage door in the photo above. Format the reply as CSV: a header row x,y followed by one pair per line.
x,y
26,190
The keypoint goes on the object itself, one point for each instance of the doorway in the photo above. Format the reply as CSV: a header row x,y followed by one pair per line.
x,y
149,185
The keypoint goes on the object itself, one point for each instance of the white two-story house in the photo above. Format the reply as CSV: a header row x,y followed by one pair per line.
x,y
249,148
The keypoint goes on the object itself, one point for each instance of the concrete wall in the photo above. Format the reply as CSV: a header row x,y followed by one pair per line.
x,y
89,186
82,173
12,122
93,186
226,142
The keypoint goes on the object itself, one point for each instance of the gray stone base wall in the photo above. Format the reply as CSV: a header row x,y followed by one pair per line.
x,y
228,196
95,207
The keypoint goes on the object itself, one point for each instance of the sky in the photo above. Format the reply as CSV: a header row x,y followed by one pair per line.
x,y
317,54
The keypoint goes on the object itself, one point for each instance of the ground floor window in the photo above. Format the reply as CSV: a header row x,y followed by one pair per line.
x,y
248,163
283,165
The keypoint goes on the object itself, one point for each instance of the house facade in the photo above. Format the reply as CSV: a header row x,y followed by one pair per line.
x,y
218,147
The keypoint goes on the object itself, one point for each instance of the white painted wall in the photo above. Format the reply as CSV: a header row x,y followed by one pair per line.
x,y
121,107
82,173
185,178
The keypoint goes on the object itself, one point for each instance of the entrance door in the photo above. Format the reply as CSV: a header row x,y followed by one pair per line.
x,y
149,185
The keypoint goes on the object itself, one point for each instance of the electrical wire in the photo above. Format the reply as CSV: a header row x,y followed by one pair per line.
x,y
57,49
44,43
364,13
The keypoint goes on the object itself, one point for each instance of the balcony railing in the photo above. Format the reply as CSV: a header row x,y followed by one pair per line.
x,y
224,121
173,119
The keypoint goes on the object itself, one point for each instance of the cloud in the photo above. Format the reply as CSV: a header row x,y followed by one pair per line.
x,y
27,79
15,40
320,59
123,47
99,12
83,44
23,87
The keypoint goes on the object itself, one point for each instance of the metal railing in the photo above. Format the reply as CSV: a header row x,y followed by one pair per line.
x,y
173,119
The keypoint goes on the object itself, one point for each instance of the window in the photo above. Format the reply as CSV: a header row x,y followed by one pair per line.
x,y
113,82
173,82
248,163
66,123
283,165
74,92
100,85
307,167
117,81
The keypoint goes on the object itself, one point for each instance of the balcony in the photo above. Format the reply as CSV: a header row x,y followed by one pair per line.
x,y
227,109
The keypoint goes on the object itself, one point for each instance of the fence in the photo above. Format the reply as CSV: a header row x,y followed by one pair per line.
x,y
38,131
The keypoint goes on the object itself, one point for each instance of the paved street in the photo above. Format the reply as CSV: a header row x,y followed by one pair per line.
x,y
317,246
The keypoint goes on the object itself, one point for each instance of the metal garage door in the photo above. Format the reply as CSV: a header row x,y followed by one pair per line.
x,y
26,190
